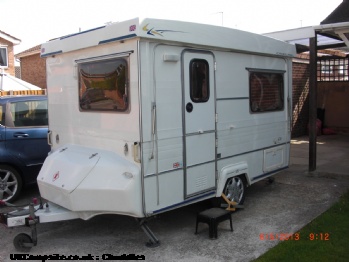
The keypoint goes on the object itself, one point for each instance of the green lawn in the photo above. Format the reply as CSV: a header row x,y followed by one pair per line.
x,y
326,238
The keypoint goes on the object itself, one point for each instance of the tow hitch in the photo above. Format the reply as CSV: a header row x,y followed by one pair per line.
x,y
31,215
26,216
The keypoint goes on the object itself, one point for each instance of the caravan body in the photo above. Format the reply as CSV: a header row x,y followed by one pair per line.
x,y
147,116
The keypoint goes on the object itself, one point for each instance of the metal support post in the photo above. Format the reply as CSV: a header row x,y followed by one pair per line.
x,y
312,102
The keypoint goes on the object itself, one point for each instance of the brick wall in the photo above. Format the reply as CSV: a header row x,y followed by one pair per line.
x,y
33,70
300,98
11,60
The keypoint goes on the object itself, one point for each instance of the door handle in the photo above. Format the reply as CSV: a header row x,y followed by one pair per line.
x,y
20,135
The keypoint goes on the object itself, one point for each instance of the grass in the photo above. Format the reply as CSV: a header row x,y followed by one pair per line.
x,y
332,231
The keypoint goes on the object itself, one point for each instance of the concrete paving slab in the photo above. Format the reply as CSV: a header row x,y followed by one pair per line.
x,y
285,206
332,154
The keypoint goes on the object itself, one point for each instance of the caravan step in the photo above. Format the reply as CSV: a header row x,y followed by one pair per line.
x,y
213,217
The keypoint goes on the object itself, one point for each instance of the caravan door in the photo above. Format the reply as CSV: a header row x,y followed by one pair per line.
x,y
199,129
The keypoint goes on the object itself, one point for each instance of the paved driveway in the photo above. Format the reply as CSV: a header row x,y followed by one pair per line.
x,y
292,201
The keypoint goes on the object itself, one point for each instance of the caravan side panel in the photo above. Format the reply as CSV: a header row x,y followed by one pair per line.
x,y
259,139
69,124
161,125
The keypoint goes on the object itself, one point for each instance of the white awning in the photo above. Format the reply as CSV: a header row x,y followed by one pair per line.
x,y
10,83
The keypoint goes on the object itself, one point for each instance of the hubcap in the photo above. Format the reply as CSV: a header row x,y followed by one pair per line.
x,y
235,189
8,184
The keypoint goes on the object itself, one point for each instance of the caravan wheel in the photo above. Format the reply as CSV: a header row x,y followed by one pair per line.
x,y
235,189
23,242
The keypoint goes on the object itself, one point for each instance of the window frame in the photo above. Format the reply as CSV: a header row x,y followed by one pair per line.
x,y
207,81
2,114
281,90
6,57
31,120
107,58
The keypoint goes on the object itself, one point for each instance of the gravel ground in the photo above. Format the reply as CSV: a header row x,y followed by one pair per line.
x,y
293,200
283,207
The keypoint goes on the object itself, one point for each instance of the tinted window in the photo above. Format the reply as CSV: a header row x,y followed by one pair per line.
x,y
199,80
266,91
103,85
28,113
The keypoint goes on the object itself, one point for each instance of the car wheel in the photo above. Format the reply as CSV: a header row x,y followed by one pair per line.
x,y
234,189
10,183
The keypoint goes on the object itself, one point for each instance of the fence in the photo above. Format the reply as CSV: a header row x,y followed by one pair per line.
x,y
23,92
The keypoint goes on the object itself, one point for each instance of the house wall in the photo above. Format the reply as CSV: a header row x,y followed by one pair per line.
x,y
300,98
11,60
33,70
334,97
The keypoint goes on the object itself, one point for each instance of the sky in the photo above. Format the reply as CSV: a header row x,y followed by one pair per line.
x,y
37,21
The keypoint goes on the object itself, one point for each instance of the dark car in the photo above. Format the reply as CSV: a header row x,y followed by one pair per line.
x,y
23,142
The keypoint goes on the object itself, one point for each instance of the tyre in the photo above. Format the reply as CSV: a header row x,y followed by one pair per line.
x,y
234,189
23,242
10,183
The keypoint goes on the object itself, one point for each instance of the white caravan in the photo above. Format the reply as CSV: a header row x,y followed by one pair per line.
x,y
150,115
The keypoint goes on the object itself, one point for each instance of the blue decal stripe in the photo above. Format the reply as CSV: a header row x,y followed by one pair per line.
x,y
182,203
116,39
80,33
269,173
52,53
172,31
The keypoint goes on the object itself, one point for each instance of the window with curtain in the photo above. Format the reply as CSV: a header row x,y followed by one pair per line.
x,y
103,85
266,91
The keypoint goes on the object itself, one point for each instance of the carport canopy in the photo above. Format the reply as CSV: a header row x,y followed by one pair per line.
x,y
328,36
332,33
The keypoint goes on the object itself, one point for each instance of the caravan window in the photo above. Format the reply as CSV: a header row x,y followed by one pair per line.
x,y
103,85
199,80
266,91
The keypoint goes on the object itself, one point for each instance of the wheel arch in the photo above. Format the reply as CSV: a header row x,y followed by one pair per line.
x,y
15,167
234,170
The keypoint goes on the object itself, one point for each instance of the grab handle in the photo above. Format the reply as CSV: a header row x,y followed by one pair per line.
x,y
136,152
49,141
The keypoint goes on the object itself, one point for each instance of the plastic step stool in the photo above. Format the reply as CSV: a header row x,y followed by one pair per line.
x,y
213,217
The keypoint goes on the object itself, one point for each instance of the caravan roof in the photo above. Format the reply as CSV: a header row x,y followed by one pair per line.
x,y
172,31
